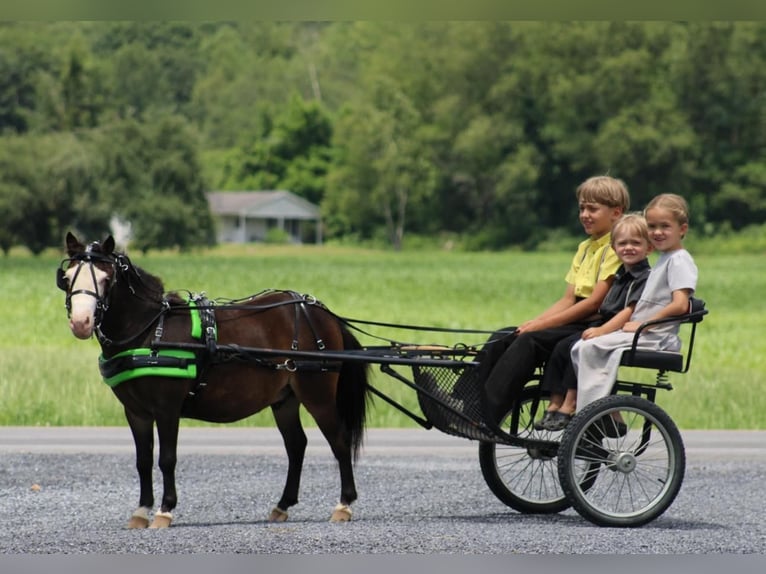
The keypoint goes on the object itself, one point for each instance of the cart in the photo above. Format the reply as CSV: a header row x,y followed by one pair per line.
x,y
612,477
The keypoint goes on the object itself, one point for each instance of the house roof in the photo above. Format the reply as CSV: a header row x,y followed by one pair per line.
x,y
262,204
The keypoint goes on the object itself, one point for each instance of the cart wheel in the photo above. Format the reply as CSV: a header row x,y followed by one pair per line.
x,y
526,478
637,475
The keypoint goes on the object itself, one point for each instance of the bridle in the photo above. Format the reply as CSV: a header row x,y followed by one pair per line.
x,y
121,266
87,260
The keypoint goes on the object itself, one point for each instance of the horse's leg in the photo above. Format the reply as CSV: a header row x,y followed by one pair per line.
x,y
143,437
342,452
287,416
327,420
167,432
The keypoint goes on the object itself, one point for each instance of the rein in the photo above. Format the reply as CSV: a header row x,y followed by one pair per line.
x,y
353,324
124,270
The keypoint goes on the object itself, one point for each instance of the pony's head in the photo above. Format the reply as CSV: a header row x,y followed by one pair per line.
x,y
86,276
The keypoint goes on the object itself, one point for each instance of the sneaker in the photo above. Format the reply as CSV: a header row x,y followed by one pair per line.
x,y
558,421
539,424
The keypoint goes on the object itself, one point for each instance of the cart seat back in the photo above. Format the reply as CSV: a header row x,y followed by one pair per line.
x,y
667,360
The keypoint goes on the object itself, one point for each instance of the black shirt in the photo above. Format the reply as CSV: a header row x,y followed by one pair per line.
x,y
626,288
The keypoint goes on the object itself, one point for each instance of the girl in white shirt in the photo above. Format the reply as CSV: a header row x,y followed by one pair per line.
x,y
671,282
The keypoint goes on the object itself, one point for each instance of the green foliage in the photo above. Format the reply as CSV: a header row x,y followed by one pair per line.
x,y
744,197
277,236
24,53
479,129
749,240
137,80
293,153
167,206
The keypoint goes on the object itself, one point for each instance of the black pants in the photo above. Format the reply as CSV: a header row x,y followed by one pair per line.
x,y
491,351
517,364
559,375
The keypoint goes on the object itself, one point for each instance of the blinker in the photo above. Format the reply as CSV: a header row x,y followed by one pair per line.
x,y
61,279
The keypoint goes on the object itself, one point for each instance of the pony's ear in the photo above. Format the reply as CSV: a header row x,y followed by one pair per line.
x,y
108,245
73,245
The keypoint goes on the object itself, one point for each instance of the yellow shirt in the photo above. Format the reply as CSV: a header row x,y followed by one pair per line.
x,y
594,261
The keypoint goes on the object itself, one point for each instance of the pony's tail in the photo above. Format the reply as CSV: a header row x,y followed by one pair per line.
x,y
353,393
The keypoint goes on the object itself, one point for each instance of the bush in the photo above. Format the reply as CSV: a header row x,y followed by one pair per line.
x,y
277,236
749,240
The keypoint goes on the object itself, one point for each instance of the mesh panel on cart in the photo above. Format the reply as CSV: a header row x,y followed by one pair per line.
x,y
450,398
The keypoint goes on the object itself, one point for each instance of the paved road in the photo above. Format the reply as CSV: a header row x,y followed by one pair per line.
x,y
421,492
701,446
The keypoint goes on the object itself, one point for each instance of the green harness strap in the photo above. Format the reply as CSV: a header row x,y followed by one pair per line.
x,y
145,362
135,363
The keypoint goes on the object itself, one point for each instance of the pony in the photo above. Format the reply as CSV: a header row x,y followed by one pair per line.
x,y
167,357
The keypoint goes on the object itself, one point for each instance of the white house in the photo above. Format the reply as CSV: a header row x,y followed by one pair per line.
x,y
247,216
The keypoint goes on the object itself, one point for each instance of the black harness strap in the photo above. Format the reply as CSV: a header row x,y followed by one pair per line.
x,y
208,333
301,302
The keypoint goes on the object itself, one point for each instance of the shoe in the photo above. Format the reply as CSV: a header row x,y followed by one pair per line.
x,y
558,421
611,428
539,424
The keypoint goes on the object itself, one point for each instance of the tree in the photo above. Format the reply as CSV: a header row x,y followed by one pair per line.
x,y
26,205
478,129
293,153
74,187
719,76
383,165
169,209
138,81
15,202
742,200
22,57
175,46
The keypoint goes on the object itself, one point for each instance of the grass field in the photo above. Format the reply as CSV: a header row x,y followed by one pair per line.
x,y
47,377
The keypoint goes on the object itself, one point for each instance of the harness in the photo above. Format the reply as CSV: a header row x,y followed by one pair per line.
x,y
177,363
164,359
191,364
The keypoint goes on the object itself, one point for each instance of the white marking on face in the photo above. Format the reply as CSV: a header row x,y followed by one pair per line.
x,y
83,305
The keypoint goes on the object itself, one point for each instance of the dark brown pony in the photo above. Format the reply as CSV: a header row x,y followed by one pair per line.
x,y
210,374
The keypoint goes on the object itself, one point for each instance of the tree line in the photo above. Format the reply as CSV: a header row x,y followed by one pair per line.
x,y
477,131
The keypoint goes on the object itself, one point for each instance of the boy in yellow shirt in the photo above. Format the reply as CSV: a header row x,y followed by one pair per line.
x,y
510,356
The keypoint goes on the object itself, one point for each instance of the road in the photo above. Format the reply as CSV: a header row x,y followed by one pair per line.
x,y
222,440
701,446
70,490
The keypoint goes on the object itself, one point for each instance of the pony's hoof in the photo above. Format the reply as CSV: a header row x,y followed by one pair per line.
x,y
139,519
341,513
138,522
161,520
278,515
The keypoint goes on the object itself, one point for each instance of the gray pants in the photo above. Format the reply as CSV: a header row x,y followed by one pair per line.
x,y
596,361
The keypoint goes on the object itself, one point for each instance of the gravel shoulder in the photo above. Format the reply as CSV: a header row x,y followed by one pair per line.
x,y
71,490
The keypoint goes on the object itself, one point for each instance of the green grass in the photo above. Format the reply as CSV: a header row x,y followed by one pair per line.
x,y
47,377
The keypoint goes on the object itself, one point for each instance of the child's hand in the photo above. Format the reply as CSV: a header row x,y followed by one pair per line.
x,y
592,332
631,326
531,325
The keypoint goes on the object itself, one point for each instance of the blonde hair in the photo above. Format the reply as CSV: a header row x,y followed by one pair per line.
x,y
632,223
673,203
605,190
